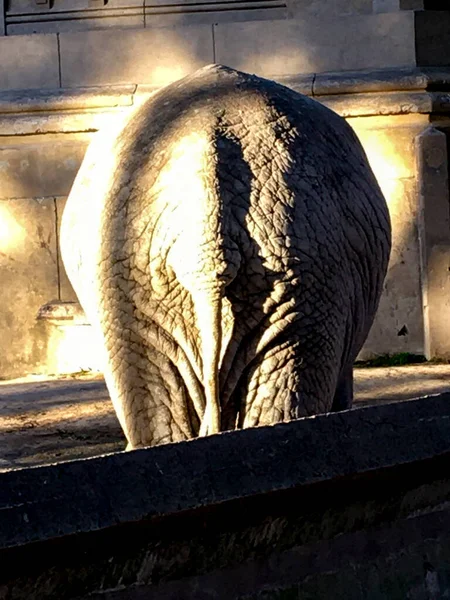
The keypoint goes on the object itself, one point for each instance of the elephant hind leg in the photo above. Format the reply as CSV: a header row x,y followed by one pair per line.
x,y
149,395
343,397
281,386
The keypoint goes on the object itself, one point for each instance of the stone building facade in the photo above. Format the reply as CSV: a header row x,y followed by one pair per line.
x,y
69,66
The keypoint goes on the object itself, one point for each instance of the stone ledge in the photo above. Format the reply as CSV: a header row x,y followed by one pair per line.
x,y
94,494
381,80
26,101
387,103
364,93
160,514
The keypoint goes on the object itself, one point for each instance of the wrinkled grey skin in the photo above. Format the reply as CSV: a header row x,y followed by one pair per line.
x,y
238,243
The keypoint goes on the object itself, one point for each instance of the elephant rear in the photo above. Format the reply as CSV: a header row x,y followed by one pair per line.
x,y
239,246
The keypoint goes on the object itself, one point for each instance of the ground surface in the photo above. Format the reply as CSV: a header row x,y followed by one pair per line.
x,y
49,420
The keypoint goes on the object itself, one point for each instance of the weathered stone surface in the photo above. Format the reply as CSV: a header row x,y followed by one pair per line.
x,y
28,272
235,516
313,45
156,56
29,62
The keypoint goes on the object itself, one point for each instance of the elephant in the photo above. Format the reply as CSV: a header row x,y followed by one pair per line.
x,y
228,242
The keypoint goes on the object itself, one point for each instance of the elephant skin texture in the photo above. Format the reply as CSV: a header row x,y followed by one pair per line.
x,y
229,243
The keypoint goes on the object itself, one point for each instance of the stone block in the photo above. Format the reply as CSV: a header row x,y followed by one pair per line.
x,y
434,227
45,167
432,35
313,45
29,62
389,145
398,326
155,56
29,276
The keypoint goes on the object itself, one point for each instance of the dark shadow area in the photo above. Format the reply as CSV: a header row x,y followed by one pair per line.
x,y
39,437
65,439
41,397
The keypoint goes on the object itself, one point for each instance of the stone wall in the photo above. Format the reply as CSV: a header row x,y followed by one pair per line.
x,y
306,36
339,506
44,137
59,88
159,55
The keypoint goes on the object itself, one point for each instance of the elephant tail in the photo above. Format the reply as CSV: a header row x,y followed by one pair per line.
x,y
209,316
201,252
206,287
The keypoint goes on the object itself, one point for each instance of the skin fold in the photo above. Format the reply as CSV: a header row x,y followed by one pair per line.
x,y
229,244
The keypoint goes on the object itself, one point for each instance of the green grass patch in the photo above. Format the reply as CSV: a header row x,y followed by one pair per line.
x,y
391,360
